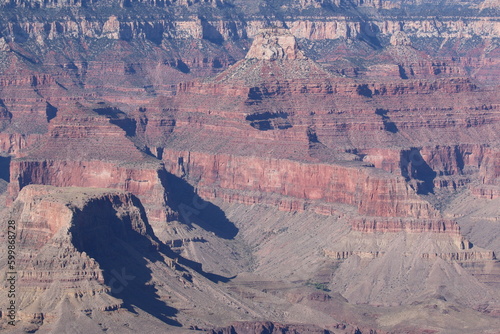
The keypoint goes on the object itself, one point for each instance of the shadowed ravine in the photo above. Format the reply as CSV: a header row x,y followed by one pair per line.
x,y
182,197
121,252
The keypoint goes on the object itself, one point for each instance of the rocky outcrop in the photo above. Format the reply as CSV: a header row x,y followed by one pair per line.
x,y
463,256
268,327
344,255
490,168
13,143
489,4
409,226
453,167
275,44
486,191
488,185
43,218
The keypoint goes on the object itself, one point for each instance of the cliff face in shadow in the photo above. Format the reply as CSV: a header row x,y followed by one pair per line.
x,y
105,246
119,239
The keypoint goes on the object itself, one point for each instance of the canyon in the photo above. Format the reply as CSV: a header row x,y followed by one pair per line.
x,y
305,166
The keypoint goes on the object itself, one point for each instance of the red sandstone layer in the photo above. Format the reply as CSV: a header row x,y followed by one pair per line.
x,y
375,193
142,181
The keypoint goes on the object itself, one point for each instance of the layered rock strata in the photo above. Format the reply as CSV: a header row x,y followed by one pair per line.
x,y
83,149
359,151
363,159
53,254
324,146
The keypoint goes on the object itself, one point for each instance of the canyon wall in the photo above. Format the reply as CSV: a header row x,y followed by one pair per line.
x,y
326,151
142,182
312,28
48,228
248,179
84,149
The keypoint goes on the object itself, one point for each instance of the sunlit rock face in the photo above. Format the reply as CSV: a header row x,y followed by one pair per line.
x,y
275,44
